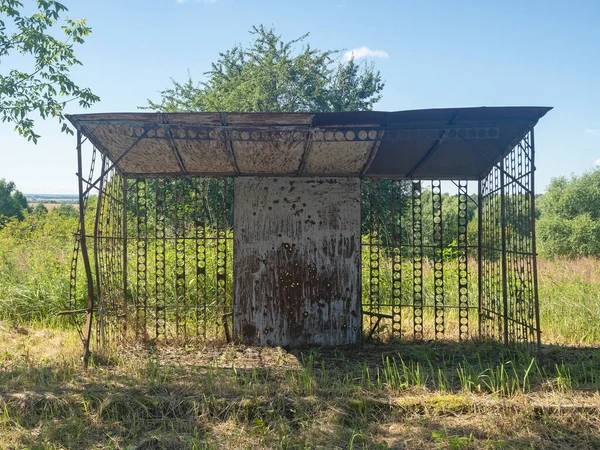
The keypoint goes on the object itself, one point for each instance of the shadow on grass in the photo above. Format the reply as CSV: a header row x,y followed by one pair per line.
x,y
398,395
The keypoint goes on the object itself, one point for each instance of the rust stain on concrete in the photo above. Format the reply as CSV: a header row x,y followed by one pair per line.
x,y
297,261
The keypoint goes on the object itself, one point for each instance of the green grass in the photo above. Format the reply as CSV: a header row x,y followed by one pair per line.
x,y
402,394
430,395
35,256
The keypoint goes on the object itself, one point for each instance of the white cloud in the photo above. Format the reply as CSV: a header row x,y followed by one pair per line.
x,y
597,162
591,130
364,52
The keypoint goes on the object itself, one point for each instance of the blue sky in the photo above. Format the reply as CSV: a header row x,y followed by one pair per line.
x,y
432,54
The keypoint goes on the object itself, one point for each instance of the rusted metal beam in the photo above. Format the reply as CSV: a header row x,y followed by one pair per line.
x,y
115,162
96,231
444,134
229,143
86,259
370,157
305,153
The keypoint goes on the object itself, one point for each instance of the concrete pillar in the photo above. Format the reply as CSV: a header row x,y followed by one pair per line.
x,y
297,261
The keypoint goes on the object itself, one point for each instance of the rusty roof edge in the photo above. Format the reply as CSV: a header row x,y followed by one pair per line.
x,y
93,140
388,116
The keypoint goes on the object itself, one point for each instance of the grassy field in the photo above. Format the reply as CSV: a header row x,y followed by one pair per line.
x,y
427,395
436,395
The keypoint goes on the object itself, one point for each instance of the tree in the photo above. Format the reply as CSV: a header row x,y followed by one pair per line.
x,y
569,223
40,209
12,202
271,75
43,84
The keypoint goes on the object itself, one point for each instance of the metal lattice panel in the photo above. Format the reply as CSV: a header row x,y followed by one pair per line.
x,y
435,256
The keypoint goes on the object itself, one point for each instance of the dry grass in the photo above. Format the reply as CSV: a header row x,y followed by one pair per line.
x,y
432,395
51,206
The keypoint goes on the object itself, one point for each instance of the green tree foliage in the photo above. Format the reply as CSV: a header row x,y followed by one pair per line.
x,y
570,216
12,202
42,84
272,75
40,209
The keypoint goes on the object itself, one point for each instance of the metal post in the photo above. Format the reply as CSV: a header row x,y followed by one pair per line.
x,y
534,246
125,301
504,267
480,254
96,250
86,259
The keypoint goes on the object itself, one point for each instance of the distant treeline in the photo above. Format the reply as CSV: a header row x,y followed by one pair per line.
x,y
568,214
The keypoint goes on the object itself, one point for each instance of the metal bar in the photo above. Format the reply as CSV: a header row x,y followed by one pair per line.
x,y
125,304
434,147
417,236
374,241
396,192
221,260
459,186
295,132
86,260
96,232
462,260
116,161
480,256
229,143
141,309
438,258
159,259
370,157
538,330
180,282
101,190
515,179
504,265
305,153
176,153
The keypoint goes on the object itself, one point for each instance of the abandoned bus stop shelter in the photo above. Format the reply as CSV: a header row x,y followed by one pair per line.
x,y
308,228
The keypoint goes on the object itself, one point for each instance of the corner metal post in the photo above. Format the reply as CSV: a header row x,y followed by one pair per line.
x,y
504,265
534,247
125,305
96,252
480,254
86,259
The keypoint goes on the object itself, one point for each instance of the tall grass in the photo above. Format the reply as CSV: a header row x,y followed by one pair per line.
x,y
35,261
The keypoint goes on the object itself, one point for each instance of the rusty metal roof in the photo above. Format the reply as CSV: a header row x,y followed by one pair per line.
x,y
433,143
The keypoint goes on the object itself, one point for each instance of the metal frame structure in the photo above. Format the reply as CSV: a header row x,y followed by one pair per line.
x,y
161,266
